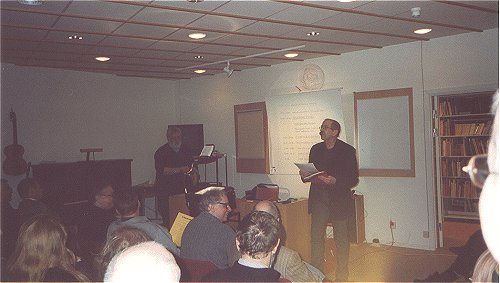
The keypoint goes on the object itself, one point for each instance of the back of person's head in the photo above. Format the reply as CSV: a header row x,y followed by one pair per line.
x,y
118,241
29,188
489,208
41,245
484,268
210,197
258,234
269,207
126,202
144,262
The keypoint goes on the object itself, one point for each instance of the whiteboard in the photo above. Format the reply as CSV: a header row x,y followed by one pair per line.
x,y
384,133
294,121
377,125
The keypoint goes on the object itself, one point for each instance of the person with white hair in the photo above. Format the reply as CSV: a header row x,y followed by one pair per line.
x,y
144,262
483,171
489,210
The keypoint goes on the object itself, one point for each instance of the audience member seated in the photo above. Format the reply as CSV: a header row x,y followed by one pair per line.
x,y
127,206
10,222
41,253
206,237
486,269
94,221
257,240
489,208
288,261
118,241
31,205
144,262
462,267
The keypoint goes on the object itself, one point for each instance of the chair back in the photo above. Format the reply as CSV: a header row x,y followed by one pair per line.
x,y
193,270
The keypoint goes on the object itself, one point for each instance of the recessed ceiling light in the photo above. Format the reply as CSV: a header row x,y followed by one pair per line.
x,y
313,33
71,37
197,35
102,58
198,57
422,30
291,55
200,71
30,2
195,1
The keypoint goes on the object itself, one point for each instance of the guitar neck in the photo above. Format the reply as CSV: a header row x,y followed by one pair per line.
x,y
14,128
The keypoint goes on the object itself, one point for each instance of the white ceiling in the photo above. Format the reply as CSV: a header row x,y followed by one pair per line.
x,y
149,38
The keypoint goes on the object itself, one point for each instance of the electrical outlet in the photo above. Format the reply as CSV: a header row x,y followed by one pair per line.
x,y
392,224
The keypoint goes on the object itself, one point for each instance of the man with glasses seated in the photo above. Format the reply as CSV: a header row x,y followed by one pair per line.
x,y
92,225
206,237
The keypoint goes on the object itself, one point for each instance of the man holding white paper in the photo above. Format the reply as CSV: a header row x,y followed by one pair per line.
x,y
330,194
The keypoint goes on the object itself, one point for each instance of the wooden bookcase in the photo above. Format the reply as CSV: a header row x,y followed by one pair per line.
x,y
463,124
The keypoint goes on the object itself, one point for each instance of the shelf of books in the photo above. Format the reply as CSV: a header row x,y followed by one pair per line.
x,y
464,125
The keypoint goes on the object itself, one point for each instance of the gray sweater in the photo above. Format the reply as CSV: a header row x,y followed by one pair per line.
x,y
207,238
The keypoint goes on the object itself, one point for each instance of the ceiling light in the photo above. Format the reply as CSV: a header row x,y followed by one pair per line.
x,y
198,57
71,37
30,2
422,30
313,33
241,58
195,1
346,1
291,55
228,70
415,12
102,58
200,71
197,35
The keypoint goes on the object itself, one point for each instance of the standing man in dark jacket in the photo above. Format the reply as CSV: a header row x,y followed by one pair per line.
x,y
330,195
171,163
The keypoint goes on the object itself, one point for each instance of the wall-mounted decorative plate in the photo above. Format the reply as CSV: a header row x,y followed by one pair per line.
x,y
311,78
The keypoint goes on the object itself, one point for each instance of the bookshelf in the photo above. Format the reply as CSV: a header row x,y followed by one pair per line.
x,y
463,125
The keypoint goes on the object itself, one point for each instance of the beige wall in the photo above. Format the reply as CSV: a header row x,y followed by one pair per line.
x,y
61,111
463,61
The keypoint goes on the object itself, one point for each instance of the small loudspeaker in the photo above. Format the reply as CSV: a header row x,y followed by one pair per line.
x,y
356,221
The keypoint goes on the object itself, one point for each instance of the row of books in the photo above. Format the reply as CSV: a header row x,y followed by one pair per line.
x,y
465,146
465,207
448,128
470,106
459,188
453,168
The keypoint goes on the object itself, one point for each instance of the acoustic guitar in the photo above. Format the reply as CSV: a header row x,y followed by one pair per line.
x,y
14,164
